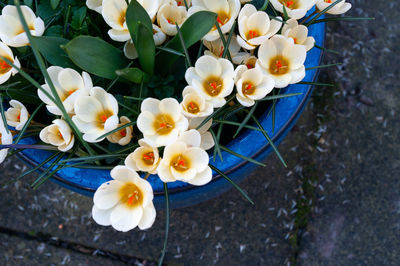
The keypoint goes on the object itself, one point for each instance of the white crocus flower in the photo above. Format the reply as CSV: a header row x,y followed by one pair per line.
x,y
17,115
58,134
11,30
130,49
125,202
124,136
70,86
227,11
212,78
216,49
299,33
169,15
96,114
161,121
250,62
252,85
184,162
6,138
114,13
6,71
145,158
282,60
207,140
178,2
194,105
295,8
255,27
95,5
340,8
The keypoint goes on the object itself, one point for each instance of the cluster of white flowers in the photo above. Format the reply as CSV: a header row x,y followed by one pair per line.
x,y
126,201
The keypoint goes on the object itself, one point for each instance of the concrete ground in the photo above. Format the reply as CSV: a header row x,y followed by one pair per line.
x,y
338,202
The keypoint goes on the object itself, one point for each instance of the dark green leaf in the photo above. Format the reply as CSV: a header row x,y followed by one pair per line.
x,y
78,17
146,48
54,3
50,48
132,74
96,56
136,14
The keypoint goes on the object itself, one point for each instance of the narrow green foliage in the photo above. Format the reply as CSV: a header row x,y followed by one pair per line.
x,y
285,14
246,119
25,127
270,141
168,50
95,157
224,42
117,129
242,156
185,50
167,212
233,123
280,96
323,66
264,6
340,19
244,194
46,173
326,49
3,116
322,12
228,41
218,112
217,148
317,84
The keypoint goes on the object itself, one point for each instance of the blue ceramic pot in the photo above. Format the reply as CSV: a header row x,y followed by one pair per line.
x,y
250,143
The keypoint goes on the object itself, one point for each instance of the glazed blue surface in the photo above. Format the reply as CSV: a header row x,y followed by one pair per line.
x,y
86,181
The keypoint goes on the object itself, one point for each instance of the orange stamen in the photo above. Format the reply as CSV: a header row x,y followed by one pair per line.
x,y
169,21
253,34
163,125
249,66
213,84
132,198
181,162
103,118
222,51
248,87
219,21
192,105
289,3
4,65
148,156
19,117
295,40
59,134
278,64
123,132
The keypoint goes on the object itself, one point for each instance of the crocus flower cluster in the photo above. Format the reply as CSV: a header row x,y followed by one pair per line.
x,y
265,53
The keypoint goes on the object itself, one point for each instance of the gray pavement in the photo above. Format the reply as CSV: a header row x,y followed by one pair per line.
x,y
338,202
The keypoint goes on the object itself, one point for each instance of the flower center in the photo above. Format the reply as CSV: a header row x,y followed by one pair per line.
x,y
252,34
171,21
122,18
163,124
213,85
292,4
328,1
4,66
248,88
180,3
102,117
148,158
295,40
131,195
123,132
222,18
278,65
193,108
180,163
59,134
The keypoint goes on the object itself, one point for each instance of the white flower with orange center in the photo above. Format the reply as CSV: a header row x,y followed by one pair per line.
x,y
169,15
145,158
6,70
158,36
294,8
255,27
216,49
207,140
340,8
282,60
123,136
183,162
95,5
227,11
161,121
299,33
70,86
96,114
12,32
58,134
114,13
125,202
212,78
194,104
17,115
252,85
6,138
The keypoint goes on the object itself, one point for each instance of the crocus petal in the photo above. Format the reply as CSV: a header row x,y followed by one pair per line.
x,y
124,218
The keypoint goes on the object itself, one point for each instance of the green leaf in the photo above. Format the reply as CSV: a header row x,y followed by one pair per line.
x,y
78,17
187,56
132,74
233,183
50,48
241,156
160,261
28,3
141,30
146,48
54,3
96,56
56,31
285,14
194,28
